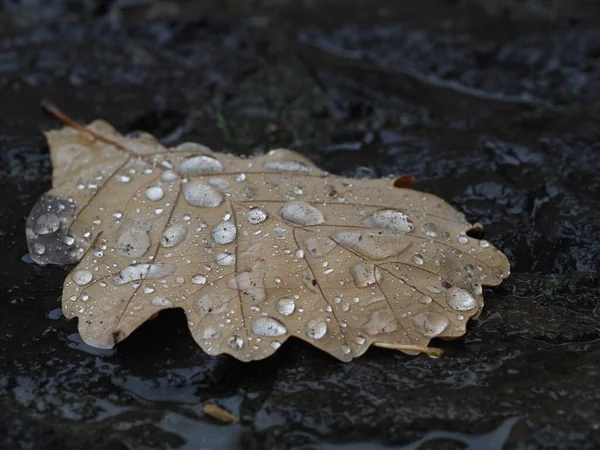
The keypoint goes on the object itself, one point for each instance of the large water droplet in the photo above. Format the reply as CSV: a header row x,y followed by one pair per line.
x,y
285,306
211,332
287,166
173,235
381,322
198,279
430,324
256,215
267,326
46,224
460,300
212,303
365,274
161,301
390,219
201,164
316,328
199,193
154,193
82,277
133,242
224,232
134,272
301,213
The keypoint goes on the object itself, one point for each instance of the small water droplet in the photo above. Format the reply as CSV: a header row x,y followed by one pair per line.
x,y
430,229
154,193
225,259
169,175
240,177
39,249
462,239
345,349
299,253
285,306
82,277
123,178
417,259
360,340
198,279
211,332
235,342
69,240
275,344
256,215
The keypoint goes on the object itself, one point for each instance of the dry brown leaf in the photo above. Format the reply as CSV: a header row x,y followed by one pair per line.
x,y
254,250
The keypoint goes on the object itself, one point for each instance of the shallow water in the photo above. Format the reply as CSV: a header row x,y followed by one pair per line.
x,y
491,106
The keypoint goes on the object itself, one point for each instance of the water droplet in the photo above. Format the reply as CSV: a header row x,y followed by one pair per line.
x,y
430,229
287,166
148,290
477,289
133,242
161,301
285,306
211,332
46,224
301,213
316,328
345,349
82,277
169,175
430,324
212,303
235,342
225,259
365,274
134,272
198,279
256,215
267,326
199,193
39,249
69,240
299,253
154,193
224,233
462,239
173,235
201,164
319,246
360,340
433,289
240,177
417,259
460,300
390,219
484,244
123,178
381,322
275,344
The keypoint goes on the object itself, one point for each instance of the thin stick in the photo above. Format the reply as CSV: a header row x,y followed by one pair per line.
x,y
218,413
429,351
64,118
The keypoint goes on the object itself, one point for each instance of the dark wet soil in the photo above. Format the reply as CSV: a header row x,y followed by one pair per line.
x,y
492,104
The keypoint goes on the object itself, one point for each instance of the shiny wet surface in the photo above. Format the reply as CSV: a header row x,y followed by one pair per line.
x,y
493,107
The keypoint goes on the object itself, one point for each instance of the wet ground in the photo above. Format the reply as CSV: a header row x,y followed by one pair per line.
x,y
492,104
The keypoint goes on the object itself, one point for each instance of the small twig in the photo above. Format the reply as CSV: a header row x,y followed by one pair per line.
x,y
216,412
429,351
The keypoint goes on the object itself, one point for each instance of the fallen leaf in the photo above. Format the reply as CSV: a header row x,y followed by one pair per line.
x,y
254,250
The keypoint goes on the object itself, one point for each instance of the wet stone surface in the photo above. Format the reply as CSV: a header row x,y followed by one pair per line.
x,y
497,114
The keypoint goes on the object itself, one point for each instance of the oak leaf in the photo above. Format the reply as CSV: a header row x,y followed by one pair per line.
x,y
254,250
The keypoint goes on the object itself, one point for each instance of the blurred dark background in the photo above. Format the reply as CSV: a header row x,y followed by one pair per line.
x,y
492,104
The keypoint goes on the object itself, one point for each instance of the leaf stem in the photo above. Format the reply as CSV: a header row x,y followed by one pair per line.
x,y
429,351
